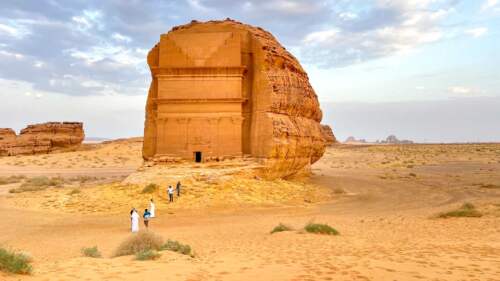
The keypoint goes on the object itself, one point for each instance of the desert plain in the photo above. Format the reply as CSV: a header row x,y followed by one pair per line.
x,y
384,200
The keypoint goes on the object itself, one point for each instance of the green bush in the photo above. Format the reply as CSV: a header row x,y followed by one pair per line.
x,y
14,262
466,210
320,229
281,227
91,252
147,255
175,246
144,240
150,188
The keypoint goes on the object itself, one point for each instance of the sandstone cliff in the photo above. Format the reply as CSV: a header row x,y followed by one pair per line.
x,y
280,111
328,135
41,138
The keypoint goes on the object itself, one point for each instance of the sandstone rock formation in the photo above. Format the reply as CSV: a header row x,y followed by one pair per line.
x,y
223,89
41,138
392,139
328,135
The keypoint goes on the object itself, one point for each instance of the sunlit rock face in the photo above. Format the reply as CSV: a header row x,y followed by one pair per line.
x,y
223,89
41,138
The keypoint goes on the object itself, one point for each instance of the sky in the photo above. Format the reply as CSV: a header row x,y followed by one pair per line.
x,y
426,70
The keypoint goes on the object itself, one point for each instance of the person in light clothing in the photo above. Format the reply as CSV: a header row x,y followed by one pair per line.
x,y
170,191
152,208
134,220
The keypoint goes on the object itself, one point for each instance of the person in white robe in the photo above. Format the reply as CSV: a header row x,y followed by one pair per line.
x,y
134,221
152,208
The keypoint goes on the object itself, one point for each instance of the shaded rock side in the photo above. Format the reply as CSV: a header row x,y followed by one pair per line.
x,y
328,135
41,138
276,117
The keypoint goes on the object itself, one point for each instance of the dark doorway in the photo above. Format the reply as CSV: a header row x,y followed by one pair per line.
x,y
197,156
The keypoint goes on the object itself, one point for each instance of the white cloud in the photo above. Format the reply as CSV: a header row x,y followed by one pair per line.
x,y
348,16
476,32
418,22
89,19
489,4
14,30
321,36
460,90
11,54
121,38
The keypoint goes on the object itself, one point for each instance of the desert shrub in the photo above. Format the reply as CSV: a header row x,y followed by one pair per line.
x,y
38,183
175,246
339,190
145,255
91,252
144,240
280,228
320,229
14,262
11,179
466,210
490,186
74,191
413,175
150,188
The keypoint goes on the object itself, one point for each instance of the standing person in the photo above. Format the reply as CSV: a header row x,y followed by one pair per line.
x,y
146,217
170,194
134,221
178,188
152,208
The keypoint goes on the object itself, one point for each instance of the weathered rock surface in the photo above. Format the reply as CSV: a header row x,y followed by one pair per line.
x,y
223,89
328,135
41,138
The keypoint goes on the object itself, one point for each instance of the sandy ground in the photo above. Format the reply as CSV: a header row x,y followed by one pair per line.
x,y
383,201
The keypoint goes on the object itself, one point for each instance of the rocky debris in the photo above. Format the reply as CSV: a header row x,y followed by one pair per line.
x,y
328,135
41,138
280,116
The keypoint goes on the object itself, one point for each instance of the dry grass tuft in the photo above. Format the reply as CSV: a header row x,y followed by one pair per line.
x,y
467,210
141,241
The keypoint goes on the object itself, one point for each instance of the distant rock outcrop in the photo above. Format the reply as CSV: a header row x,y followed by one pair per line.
x,y
392,139
41,138
352,139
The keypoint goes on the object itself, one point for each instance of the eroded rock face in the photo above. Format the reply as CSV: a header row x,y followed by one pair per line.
x,y
328,135
223,89
41,138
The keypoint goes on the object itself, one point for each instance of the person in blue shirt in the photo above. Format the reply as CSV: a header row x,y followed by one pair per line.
x,y
146,217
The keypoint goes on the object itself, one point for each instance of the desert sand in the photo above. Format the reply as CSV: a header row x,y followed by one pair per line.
x,y
383,199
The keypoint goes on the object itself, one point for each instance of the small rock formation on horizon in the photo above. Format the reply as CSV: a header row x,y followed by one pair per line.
x,y
41,138
223,90
392,139
352,139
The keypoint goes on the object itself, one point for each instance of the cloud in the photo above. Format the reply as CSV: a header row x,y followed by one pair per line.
x,y
386,28
489,4
460,90
476,32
